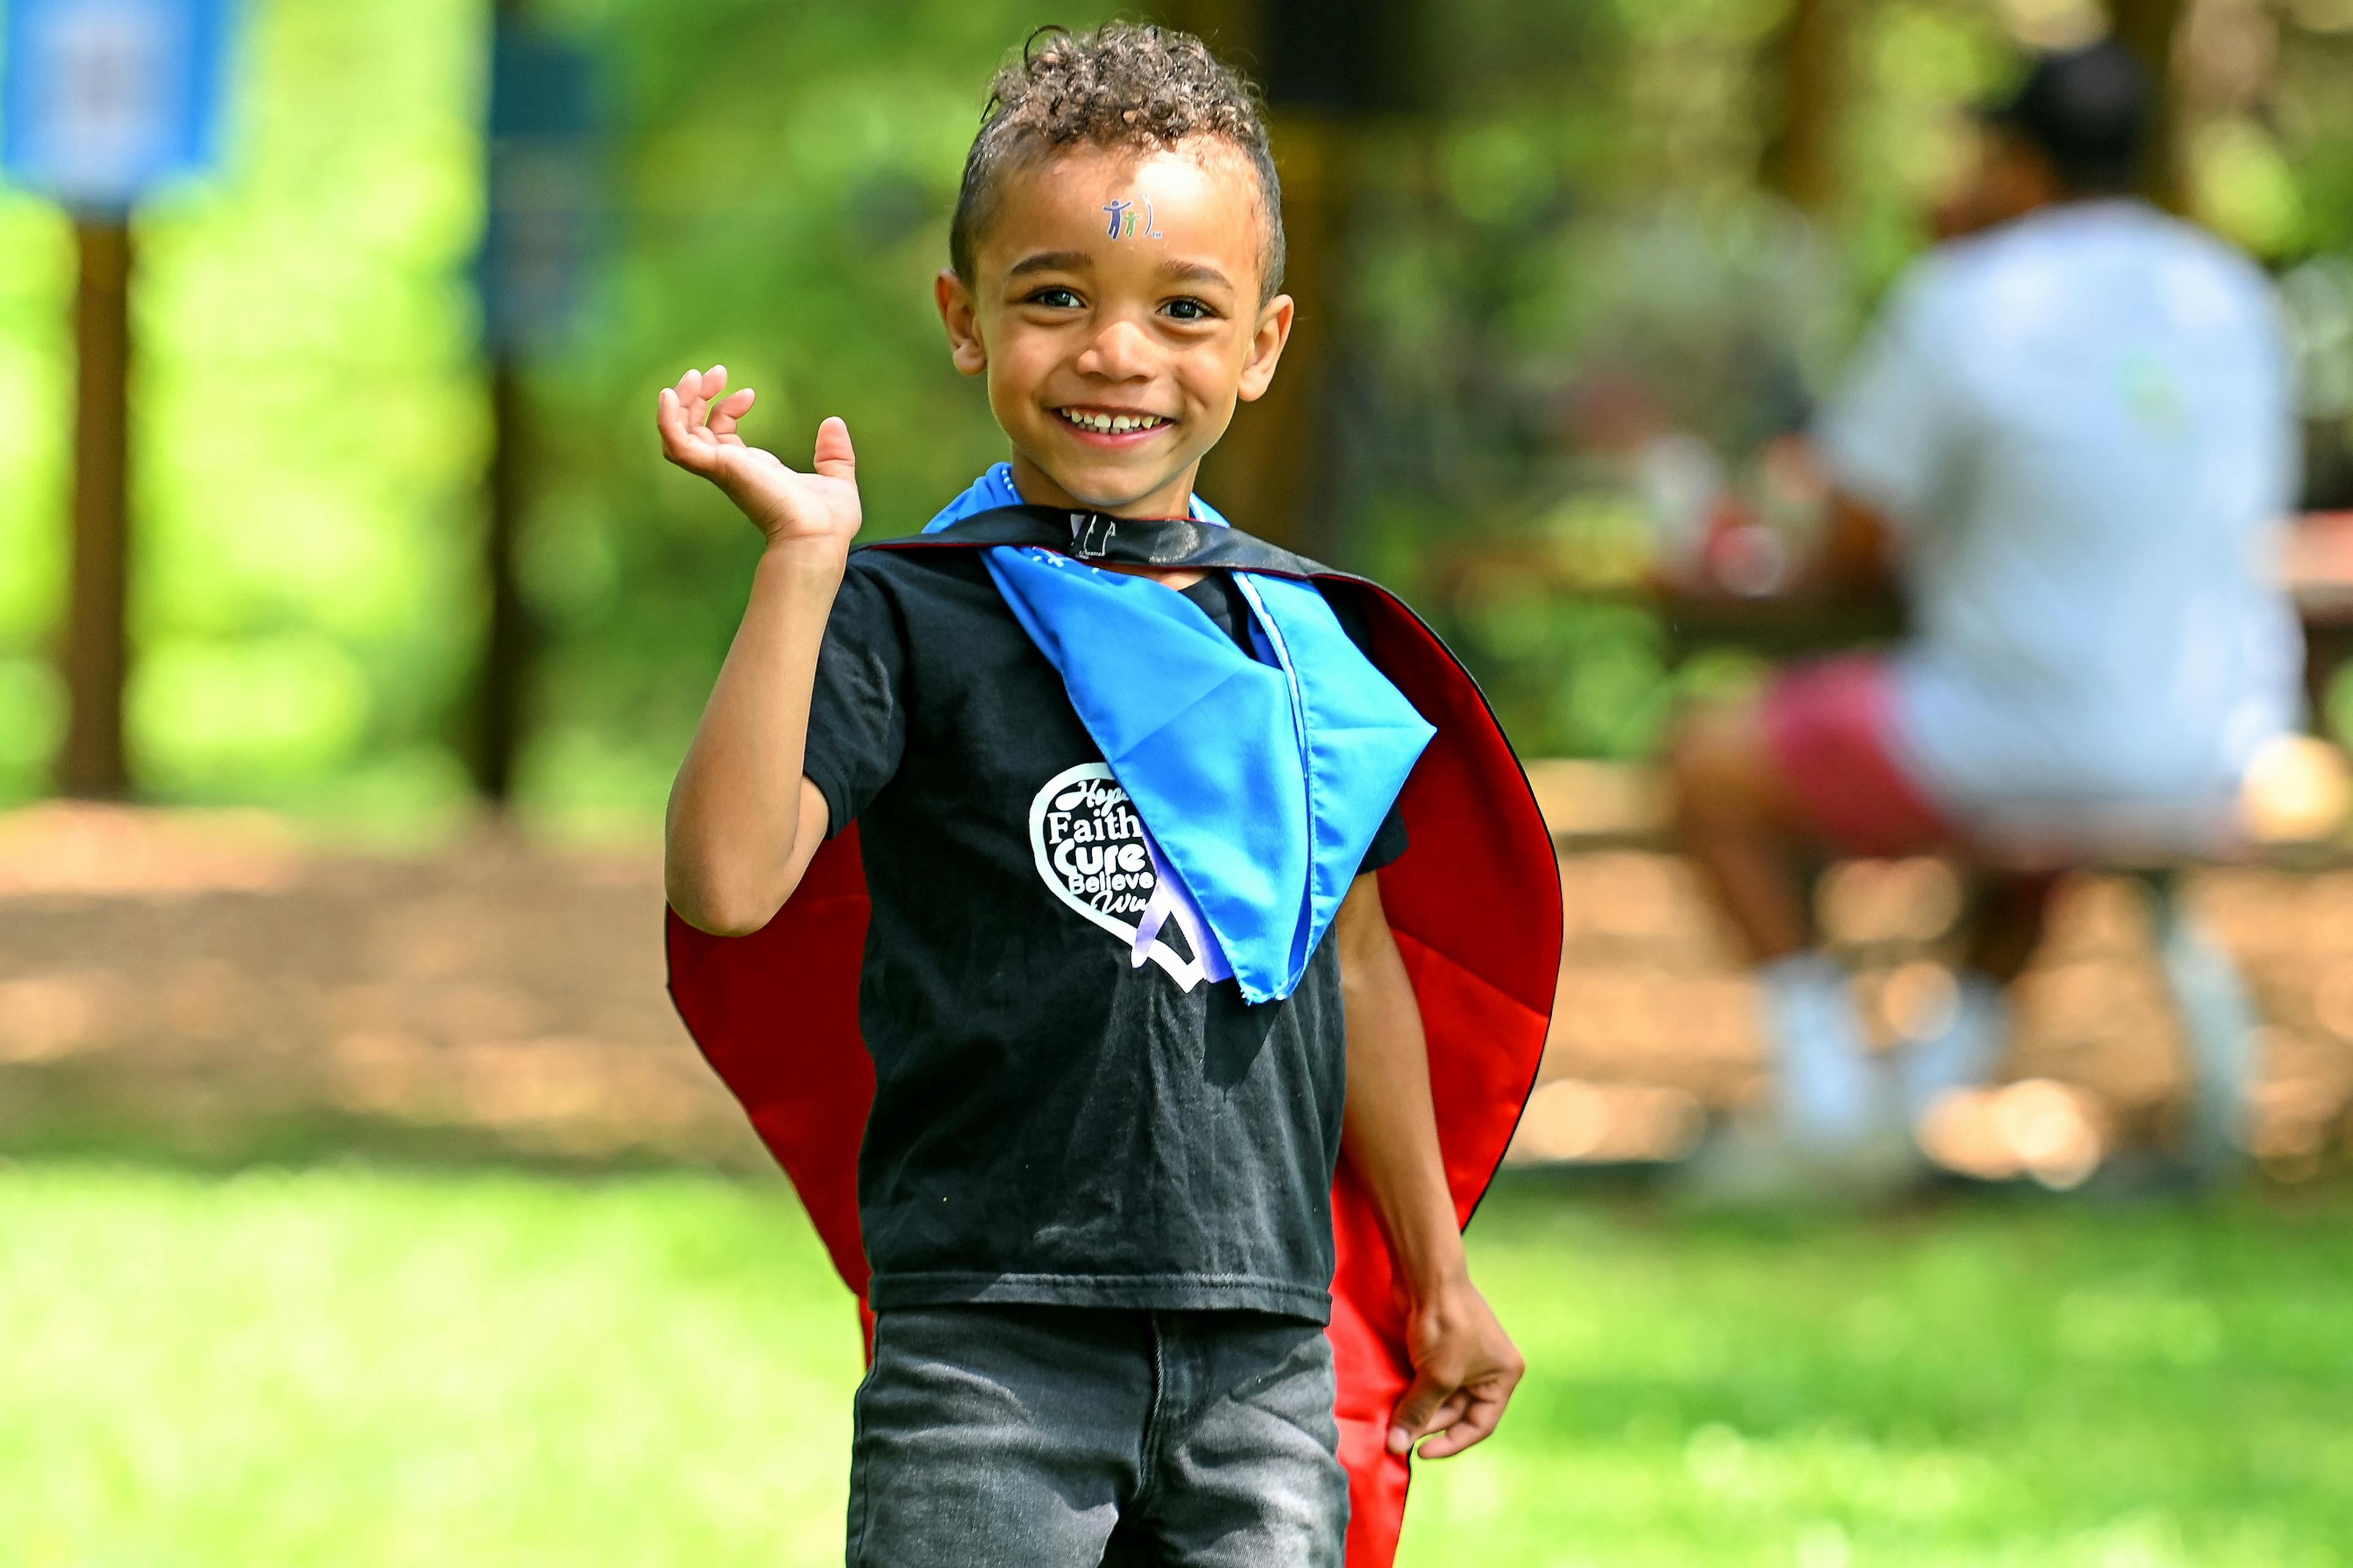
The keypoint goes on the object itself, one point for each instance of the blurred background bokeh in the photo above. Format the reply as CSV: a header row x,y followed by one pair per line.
x,y
1497,201
353,855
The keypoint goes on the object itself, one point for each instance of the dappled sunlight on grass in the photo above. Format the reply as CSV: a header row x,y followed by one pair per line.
x,y
347,1368
354,1366
1996,1384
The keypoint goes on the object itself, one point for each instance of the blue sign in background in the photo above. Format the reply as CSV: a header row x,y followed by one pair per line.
x,y
546,188
103,99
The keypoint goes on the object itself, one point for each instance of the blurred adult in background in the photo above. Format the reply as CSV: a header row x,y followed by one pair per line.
x,y
2067,441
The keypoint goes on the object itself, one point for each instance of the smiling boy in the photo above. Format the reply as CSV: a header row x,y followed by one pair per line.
x,y
1117,1057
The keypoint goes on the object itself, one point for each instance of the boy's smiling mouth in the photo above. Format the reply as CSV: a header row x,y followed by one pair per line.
x,y
1113,426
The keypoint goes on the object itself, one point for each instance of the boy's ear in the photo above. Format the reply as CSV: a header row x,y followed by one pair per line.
x,y
958,314
1266,348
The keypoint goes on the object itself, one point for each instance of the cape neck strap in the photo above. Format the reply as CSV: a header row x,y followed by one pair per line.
x,y
1170,543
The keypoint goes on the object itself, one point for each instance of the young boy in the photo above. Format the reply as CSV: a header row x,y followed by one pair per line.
x,y
1107,965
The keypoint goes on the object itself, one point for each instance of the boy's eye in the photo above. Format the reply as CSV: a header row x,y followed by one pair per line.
x,y
1188,309
1056,297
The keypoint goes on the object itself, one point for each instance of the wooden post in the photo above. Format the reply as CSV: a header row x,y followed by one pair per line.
x,y
95,657
503,675
1807,59
1326,66
1275,469
2149,28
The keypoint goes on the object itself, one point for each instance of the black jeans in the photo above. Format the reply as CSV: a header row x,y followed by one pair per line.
x,y
1067,1436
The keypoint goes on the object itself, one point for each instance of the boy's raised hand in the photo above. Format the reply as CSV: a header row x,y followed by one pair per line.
x,y
697,419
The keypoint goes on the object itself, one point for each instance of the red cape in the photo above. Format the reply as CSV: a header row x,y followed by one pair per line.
x,y
1476,904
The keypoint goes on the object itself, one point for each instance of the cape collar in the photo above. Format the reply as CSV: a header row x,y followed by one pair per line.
x,y
1169,543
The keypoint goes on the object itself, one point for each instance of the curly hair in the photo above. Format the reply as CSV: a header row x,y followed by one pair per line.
x,y
1121,86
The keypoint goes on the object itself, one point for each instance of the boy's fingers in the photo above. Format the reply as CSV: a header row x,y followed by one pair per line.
x,y
1444,1417
1475,1425
1448,1414
678,442
1412,1416
728,410
669,418
836,459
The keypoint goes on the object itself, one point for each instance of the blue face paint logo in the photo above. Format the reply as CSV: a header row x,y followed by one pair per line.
x,y
1123,220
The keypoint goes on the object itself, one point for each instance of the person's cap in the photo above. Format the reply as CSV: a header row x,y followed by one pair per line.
x,y
2088,111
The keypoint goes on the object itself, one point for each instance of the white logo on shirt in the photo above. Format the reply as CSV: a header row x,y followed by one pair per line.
x,y
1090,849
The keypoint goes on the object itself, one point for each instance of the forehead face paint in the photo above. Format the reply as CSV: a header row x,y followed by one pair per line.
x,y
1125,224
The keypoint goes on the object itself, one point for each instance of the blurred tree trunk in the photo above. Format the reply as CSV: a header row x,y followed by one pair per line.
x,y
1327,66
1806,65
96,657
2150,30
498,714
504,677
1276,472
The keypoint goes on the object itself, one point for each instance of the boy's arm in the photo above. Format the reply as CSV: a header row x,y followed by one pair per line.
x,y
744,822
1465,1367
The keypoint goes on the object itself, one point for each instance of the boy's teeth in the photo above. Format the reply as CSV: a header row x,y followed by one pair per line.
x,y
1111,423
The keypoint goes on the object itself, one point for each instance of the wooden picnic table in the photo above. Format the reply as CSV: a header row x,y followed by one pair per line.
x,y
2318,565
2319,570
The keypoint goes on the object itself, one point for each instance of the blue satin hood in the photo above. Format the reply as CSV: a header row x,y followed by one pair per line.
x,y
1260,781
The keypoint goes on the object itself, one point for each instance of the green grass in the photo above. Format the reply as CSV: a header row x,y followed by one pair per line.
x,y
361,1367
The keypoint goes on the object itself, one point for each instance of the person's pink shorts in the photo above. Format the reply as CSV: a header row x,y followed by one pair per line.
x,y
1830,726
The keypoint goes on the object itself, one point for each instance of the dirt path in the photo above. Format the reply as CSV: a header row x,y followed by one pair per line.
x,y
207,986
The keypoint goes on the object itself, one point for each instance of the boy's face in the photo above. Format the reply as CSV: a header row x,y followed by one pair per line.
x,y
1114,309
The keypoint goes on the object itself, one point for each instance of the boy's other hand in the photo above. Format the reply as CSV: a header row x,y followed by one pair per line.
x,y
1465,1369
697,419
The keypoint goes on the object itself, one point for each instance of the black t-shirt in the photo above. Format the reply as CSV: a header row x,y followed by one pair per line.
x,y
1051,1124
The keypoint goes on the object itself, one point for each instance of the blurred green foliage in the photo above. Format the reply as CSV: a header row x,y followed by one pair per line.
x,y
787,174
36,271
307,431
312,424
1591,206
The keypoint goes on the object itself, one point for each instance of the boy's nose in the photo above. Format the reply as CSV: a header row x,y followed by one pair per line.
x,y
1121,352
